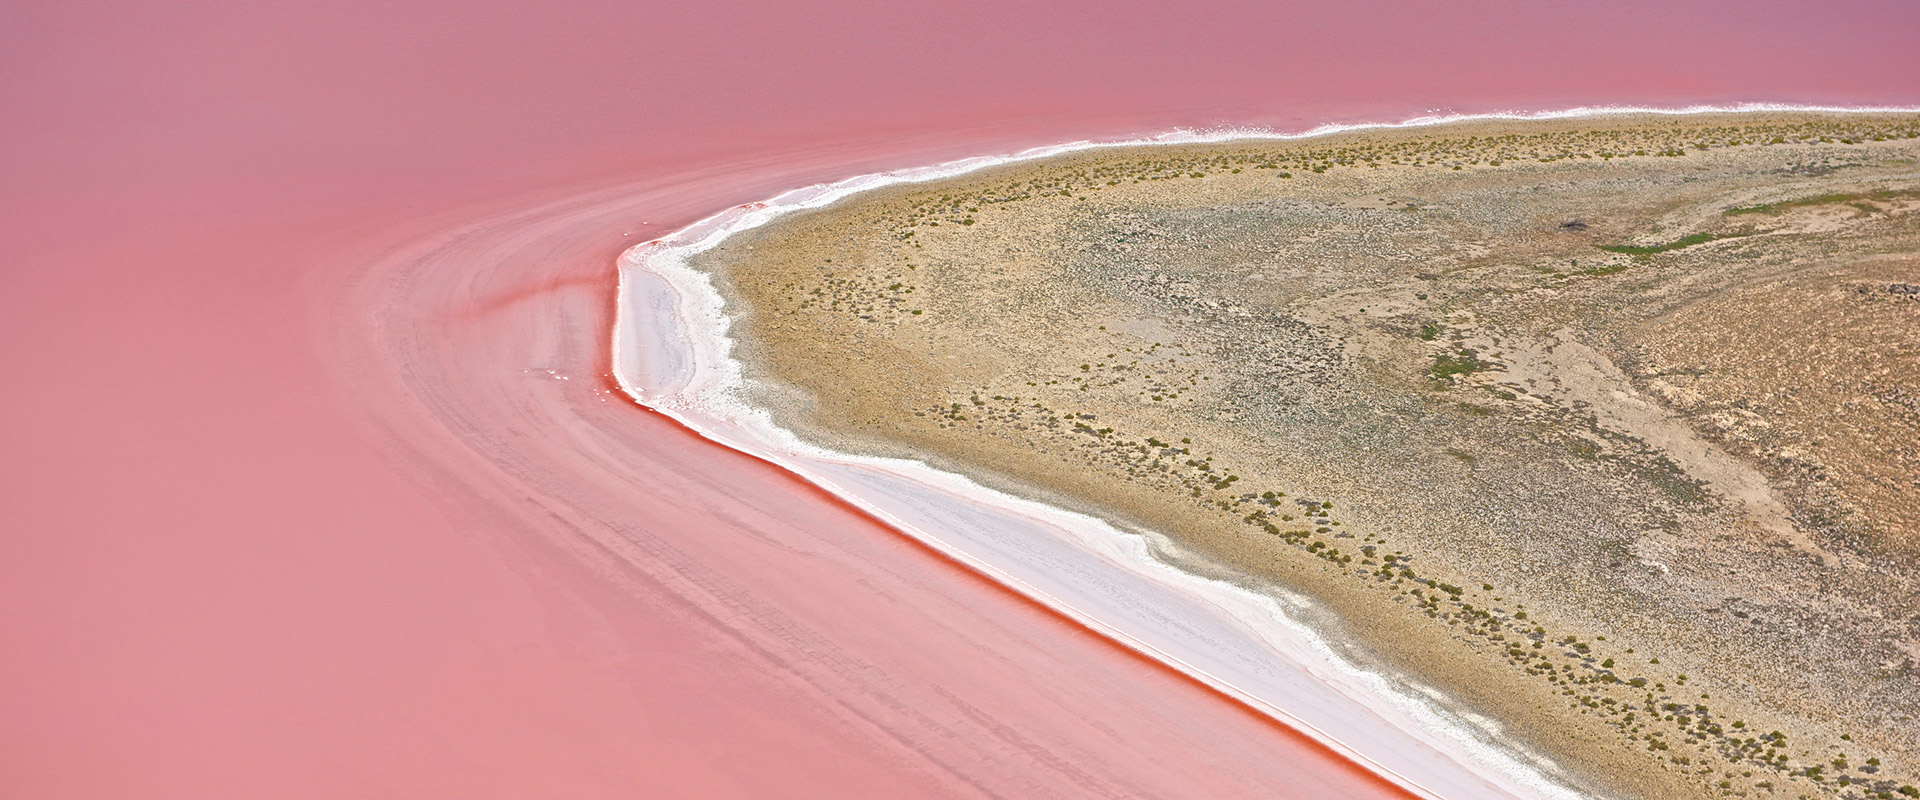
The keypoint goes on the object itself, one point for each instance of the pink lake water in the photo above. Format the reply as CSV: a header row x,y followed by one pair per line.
x,y
313,485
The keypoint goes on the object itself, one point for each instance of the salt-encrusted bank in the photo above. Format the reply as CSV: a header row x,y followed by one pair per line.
x,y
672,352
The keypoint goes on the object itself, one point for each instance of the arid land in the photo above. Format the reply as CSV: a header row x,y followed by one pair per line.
x,y
1605,427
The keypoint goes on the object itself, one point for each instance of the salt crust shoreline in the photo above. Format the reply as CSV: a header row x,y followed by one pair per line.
x,y
672,352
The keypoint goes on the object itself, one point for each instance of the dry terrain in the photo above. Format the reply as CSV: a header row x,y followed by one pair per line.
x,y
1606,428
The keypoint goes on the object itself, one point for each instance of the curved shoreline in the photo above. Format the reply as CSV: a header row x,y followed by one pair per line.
x,y
1251,646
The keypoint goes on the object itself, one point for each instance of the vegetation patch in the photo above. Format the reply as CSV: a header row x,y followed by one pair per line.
x,y
1821,200
1682,242
1448,365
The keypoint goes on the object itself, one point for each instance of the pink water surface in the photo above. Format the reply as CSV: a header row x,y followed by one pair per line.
x,y
294,501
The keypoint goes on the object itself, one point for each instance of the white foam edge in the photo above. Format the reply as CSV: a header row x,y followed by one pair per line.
x,y
689,375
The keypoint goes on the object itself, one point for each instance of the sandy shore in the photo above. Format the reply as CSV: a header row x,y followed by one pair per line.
x,y
694,377
671,356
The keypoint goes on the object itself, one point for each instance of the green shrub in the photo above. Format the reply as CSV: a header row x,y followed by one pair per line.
x,y
1682,242
1447,366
